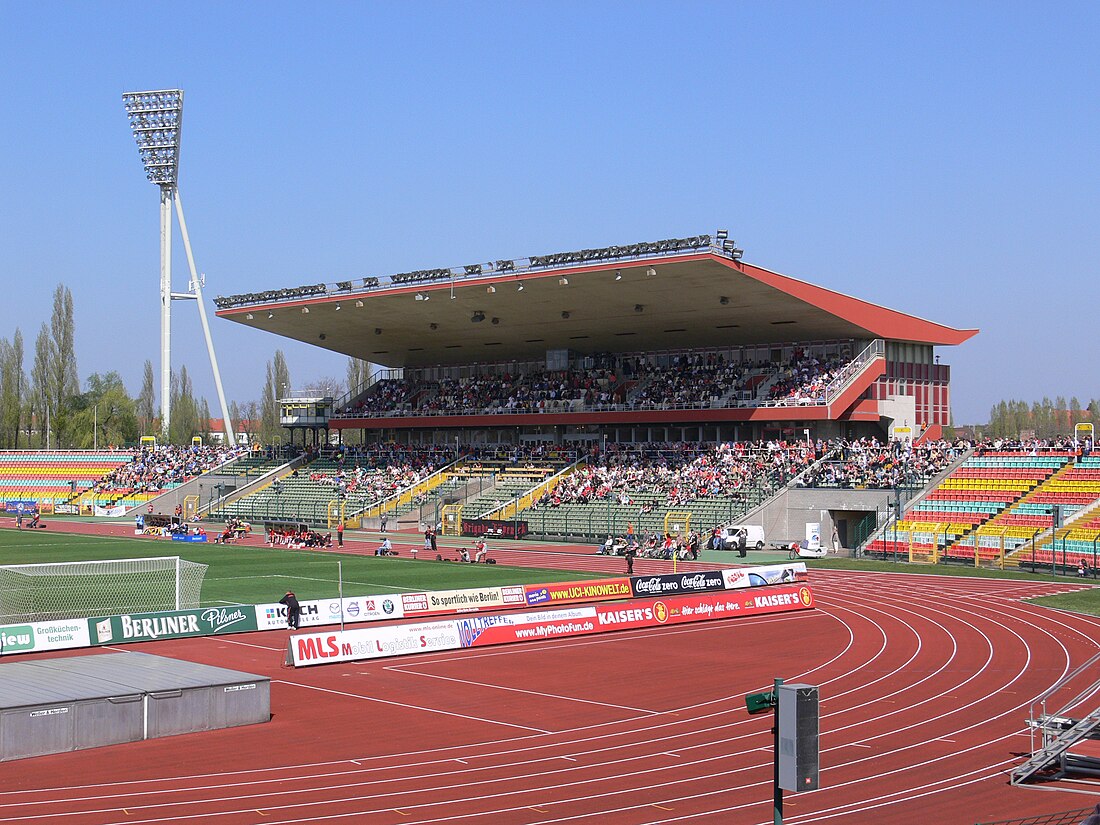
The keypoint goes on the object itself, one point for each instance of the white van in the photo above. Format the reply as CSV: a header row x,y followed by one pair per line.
x,y
743,536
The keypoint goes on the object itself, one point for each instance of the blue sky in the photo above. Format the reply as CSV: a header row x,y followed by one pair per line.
x,y
938,158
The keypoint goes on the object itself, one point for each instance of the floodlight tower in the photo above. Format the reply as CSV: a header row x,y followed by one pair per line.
x,y
156,119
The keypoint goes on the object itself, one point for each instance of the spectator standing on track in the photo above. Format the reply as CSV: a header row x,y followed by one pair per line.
x,y
340,533
429,542
382,522
630,552
293,610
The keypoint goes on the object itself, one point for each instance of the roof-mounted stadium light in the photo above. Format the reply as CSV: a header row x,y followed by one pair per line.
x,y
649,273
722,234
156,122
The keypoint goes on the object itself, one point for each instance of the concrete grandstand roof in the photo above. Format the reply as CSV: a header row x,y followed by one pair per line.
x,y
694,300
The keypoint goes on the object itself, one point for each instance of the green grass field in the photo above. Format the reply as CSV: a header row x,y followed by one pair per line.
x,y
259,575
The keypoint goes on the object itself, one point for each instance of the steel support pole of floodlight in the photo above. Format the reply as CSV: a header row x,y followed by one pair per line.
x,y
156,121
165,310
196,283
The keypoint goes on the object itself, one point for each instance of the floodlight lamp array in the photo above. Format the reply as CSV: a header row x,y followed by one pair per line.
x,y
270,296
637,250
156,120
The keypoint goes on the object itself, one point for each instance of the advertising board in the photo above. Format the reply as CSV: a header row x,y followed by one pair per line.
x,y
60,634
673,584
481,631
327,611
736,578
583,591
175,624
462,601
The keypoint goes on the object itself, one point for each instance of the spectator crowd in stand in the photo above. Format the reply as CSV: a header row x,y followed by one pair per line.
x,y
804,379
870,463
624,382
151,471
722,470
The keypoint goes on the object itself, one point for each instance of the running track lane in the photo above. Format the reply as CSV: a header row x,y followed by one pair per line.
x,y
925,683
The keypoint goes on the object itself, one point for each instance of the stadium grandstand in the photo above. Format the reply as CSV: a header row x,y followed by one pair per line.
x,y
598,391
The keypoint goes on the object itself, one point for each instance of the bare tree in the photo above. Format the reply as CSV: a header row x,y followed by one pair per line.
x,y
12,390
42,399
62,376
359,374
276,386
326,385
146,400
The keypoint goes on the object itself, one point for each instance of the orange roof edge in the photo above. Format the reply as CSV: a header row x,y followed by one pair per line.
x,y
880,321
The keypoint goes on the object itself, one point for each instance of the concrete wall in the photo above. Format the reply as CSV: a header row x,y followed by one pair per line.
x,y
785,517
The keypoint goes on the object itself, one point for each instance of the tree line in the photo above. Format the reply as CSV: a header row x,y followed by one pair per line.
x,y
46,407
1041,419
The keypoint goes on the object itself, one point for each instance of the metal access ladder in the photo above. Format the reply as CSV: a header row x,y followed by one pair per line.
x,y
1059,732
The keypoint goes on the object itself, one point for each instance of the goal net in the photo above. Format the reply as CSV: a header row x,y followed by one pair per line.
x,y
71,590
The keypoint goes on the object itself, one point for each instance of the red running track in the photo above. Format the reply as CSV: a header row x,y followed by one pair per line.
x,y
925,685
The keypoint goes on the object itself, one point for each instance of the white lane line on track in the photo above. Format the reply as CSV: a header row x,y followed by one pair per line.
x,y
222,639
1019,734
538,693
408,706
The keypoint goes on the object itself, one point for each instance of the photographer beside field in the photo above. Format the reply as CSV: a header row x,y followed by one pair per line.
x,y
293,610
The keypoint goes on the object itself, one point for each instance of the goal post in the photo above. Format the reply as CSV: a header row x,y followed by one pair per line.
x,y
72,590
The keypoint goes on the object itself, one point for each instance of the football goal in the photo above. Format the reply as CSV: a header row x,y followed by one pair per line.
x,y
71,590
